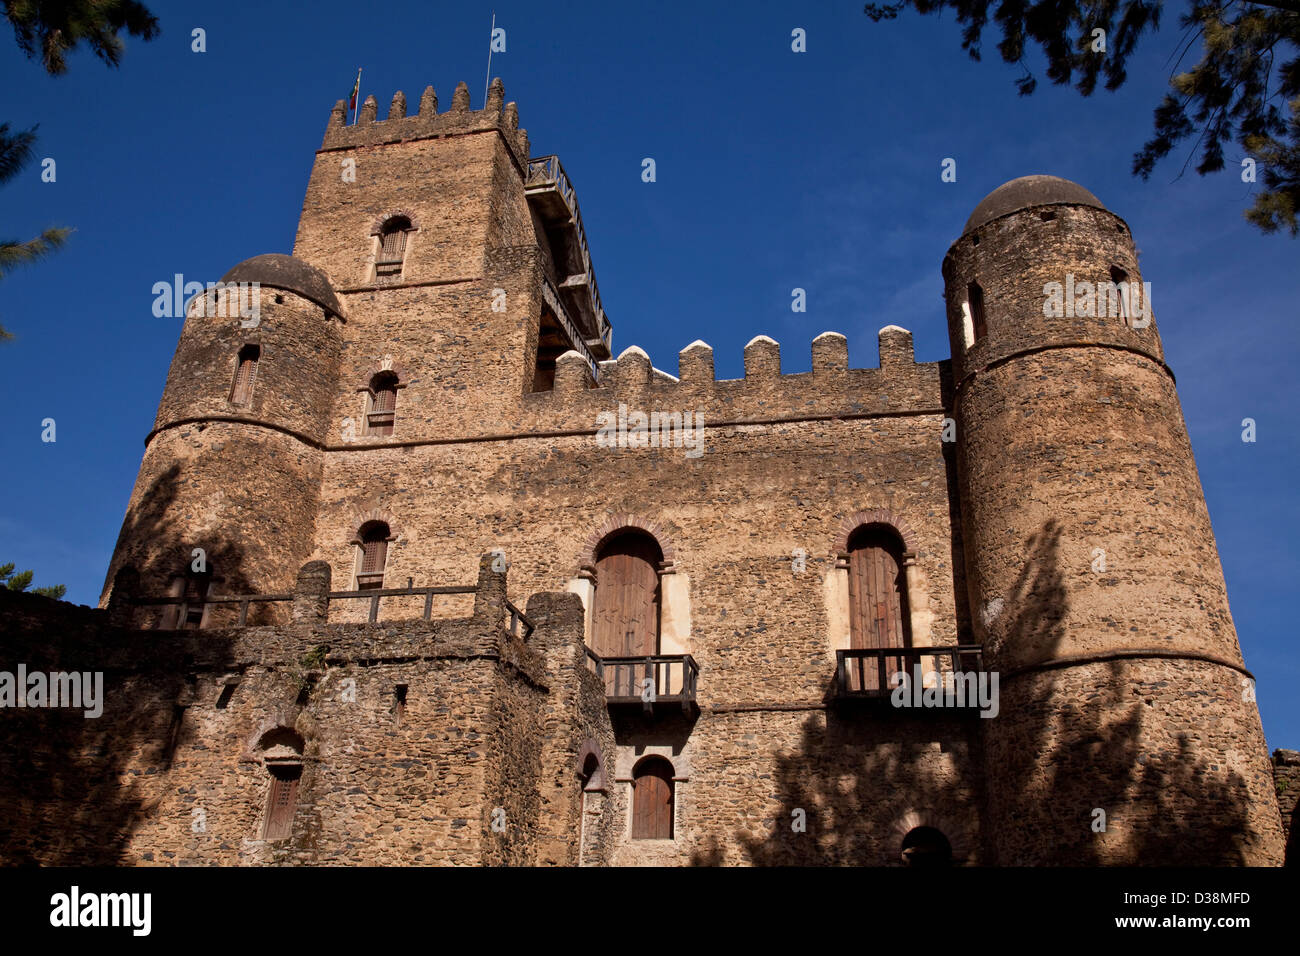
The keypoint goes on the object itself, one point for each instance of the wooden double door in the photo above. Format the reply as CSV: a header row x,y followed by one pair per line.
x,y
625,615
878,609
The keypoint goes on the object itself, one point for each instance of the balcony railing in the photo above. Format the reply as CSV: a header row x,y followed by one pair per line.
x,y
519,626
552,299
869,673
646,681
547,182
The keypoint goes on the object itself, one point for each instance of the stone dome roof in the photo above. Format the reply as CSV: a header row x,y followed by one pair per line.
x,y
1025,192
293,275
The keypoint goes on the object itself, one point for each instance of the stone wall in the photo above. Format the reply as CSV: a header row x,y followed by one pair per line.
x,y
175,770
1286,775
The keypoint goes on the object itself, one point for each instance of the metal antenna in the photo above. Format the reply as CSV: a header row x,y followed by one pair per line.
x,y
488,79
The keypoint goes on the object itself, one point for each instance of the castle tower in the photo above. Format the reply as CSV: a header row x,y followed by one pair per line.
x,y
437,274
1093,578
232,466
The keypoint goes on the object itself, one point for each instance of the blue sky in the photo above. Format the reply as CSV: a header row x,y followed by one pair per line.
x,y
775,170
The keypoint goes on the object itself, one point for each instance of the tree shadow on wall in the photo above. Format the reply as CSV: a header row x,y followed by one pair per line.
x,y
859,782
74,790
868,776
1102,751
154,542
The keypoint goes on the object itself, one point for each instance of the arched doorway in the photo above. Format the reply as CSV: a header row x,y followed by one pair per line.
x,y
879,615
926,847
625,612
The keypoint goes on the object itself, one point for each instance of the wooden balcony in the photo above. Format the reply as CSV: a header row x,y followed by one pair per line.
x,y
551,195
869,674
671,680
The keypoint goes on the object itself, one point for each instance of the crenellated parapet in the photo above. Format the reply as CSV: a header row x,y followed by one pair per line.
x,y
900,386
427,123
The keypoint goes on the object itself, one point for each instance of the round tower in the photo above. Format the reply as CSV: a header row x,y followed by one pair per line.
x,y
1127,731
233,463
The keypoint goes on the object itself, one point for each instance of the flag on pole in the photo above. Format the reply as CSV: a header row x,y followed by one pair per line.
x,y
356,88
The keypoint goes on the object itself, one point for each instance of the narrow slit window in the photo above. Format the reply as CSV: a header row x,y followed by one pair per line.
x,y
1119,279
372,555
227,692
241,393
381,415
399,704
975,299
196,591
281,801
392,247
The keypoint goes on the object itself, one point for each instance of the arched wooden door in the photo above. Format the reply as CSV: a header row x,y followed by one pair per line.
x,y
625,615
652,800
878,612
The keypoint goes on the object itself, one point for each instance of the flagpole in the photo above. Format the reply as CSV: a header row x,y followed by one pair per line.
x,y
487,80
356,100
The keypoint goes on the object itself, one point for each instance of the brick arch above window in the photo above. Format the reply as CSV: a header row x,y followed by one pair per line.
x,y
274,734
377,227
959,835
386,364
364,518
880,516
627,521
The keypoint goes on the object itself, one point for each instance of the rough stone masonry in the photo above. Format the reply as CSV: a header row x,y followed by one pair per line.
x,y
383,596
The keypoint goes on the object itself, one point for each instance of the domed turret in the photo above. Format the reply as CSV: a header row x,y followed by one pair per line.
x,y
275,270
1093,579
1029,192
233,463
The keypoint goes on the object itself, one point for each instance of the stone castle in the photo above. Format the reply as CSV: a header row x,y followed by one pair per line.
x,y
416,572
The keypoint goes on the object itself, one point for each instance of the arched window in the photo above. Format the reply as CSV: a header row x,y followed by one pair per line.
x,y
926,847
392,247
625,611
241,392
381,404
879,615
975,303
652,800
372,555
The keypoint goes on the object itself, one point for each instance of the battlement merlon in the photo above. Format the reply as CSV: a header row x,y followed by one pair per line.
x,y
369,130
900,386
547,187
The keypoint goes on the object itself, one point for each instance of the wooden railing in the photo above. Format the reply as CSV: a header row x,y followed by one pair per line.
x,y
870,672
374,594
243,600
672,678
547,171
518,619
571,330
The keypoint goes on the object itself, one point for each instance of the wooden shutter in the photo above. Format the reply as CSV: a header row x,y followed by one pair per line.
x,y
392,250
242,393
652,801
374,557
281,802
196,592
625,616
878,610
383,409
